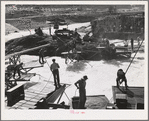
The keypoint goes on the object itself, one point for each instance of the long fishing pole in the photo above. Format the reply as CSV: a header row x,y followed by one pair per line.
x,y
134,56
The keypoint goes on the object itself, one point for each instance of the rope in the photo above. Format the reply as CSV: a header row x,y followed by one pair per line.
x,y
66,95
49,77
134,57
47,63
111,99
46,83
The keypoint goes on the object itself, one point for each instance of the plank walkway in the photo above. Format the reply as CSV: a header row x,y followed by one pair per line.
x,y
135,95
33,94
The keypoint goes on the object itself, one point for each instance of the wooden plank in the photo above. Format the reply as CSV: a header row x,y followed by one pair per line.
x,y
30,93
36,93
34,100
17,104
27,98
30,103
28,106
15,87
55,106
56,94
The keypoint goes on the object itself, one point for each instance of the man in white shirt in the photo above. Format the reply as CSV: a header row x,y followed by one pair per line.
x,y
54,68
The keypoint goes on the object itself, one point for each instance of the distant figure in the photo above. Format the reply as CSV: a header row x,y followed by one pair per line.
x,y
74,43
126,43
81,84
54,68
39,31
138,39
41,55
75,32
107,42
121,78
132,42
76,35
18,70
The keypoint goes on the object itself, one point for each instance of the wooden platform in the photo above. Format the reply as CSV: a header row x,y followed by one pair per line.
x,y
135,96
34,92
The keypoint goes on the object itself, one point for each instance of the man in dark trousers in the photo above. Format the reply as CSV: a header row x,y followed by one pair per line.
x,y
54,68
81,84
121,78
41,55
132,41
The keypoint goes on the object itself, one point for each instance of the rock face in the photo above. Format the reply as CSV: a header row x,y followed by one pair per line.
x,y
119,26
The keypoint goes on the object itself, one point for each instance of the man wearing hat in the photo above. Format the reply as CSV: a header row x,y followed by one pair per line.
x,y
54,68
81,84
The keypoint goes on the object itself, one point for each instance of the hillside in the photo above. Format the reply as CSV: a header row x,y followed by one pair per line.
x,y
35,15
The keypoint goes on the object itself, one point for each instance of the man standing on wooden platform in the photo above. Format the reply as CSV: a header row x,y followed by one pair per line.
x,y
81,84
54,68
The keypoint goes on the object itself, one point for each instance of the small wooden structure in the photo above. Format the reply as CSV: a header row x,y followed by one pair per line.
x,y
92,102
15,94
133,95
